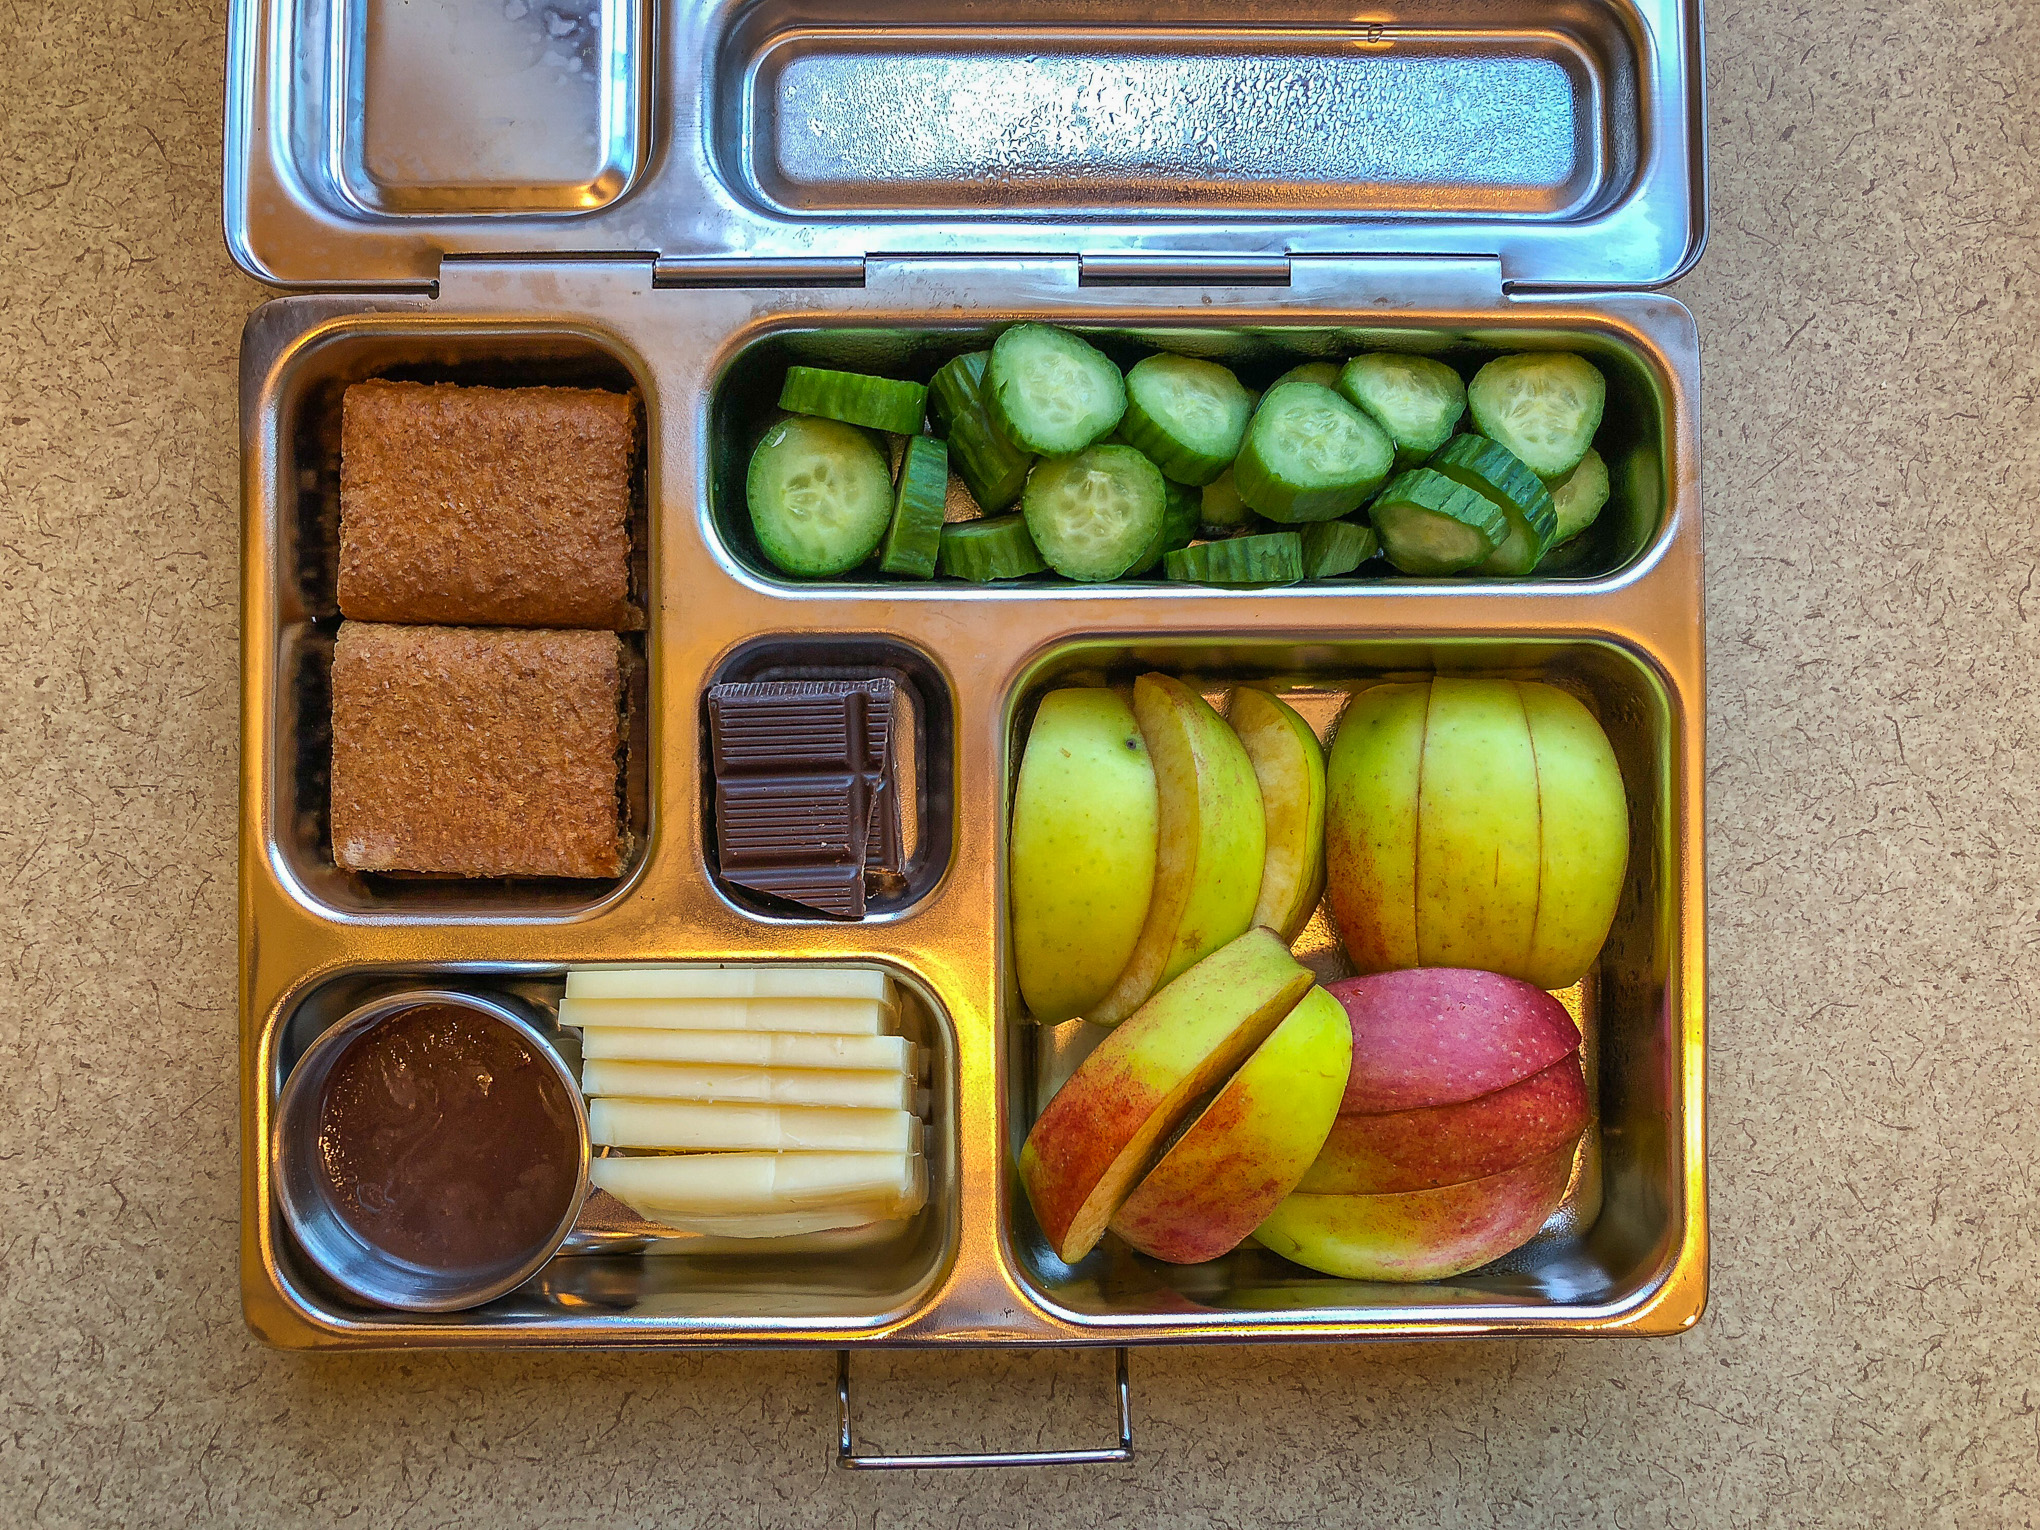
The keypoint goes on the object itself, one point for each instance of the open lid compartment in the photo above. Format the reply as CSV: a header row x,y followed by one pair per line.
x,y
367,139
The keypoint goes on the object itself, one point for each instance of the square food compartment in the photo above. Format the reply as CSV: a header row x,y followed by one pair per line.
x,y
301,547
603,1283
1625,1235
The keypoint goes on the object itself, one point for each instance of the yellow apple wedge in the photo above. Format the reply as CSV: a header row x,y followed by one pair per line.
x,y
1585,836
1209,848
1250,1146
1371,824
1477,828
1289,766
1082,852
1098,1133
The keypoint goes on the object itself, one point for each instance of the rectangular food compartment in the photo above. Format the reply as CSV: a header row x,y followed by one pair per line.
x,y
305,410
857,1280
1612,1246
1635,436
1261,112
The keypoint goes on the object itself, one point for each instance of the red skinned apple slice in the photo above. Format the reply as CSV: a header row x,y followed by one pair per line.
x,y
1437,1035
1447,1144
1102,1127
1250,1145
1424,1234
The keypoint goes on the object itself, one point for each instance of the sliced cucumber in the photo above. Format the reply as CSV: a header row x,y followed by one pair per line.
x,y
1221,511
1418,400
1188,416
1431,525
1544,406
915,535
997,547
1052,392
1179,526
1331,548
820,496
991,466
1489,468
1324,373
1274,557
1578,498
877,403
1093,515
1310,455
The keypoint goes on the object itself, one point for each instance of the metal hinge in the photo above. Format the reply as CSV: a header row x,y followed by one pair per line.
x,y
1183,270
758,271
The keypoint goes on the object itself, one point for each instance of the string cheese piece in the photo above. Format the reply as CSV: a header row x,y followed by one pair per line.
x,y
877,1185
724,1127
780,981
774,1086
754,1049
837,1017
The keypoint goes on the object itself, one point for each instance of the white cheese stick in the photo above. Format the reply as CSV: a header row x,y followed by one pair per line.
x,y
832,1017
784,980
769,1086
754,1049
764,1184
718,1127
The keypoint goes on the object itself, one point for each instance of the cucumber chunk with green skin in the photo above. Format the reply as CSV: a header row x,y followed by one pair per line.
x,y
1052,392
1489,468
1324,373
1093,515
1542,405
1179,527
1310,456
915,535
1331,548
1431,525
1418,400
991,466
820,496
877,403
1221,511
1274,557
1187,416
996,547
1578,498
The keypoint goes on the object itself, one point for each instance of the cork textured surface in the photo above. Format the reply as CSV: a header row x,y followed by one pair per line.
x,y
1871,1355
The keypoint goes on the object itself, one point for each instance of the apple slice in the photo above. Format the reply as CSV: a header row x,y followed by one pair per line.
x,y
1250,1145
1585,827
1436,1035
1371,824
1209,851
1082,853
1477,828
1289,766
1424,1234
1100,1130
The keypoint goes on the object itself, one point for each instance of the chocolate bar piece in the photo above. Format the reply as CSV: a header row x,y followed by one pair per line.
x,y
804,800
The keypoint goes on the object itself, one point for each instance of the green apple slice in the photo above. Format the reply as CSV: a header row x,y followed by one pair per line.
x,y
1371,824
1289,765
1478,853
1585,836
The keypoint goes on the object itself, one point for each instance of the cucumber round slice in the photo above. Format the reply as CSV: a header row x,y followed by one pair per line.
x,y
1188,416
820,496
1324,373
1274,557
1179,527
1052,392
1578,498
1418,400
991,466
1431,525
997,547
1331,548
1310,455
877,403
1221,511
915,535
1489,468
1544,406
1093,515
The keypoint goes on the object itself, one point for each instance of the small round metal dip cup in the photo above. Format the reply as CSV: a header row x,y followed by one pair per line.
x,y
365,1271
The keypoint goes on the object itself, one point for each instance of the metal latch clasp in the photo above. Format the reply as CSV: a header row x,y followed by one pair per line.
x,y
848,1458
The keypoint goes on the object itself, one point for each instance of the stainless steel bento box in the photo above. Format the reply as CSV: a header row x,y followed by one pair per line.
x,y
773,182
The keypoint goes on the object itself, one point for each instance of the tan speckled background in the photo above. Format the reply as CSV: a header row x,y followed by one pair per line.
x,y
1872,1356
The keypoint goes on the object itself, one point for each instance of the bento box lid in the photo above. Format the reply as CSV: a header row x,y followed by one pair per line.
x,y
764,142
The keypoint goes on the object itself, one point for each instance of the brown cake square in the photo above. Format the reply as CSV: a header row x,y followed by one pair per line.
x,y
479,751
486,506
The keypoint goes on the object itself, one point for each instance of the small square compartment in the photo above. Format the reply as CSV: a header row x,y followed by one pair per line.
x,y
304,548
1616,1241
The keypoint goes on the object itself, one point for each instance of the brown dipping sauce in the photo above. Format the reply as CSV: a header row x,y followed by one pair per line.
x,y
445,1142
